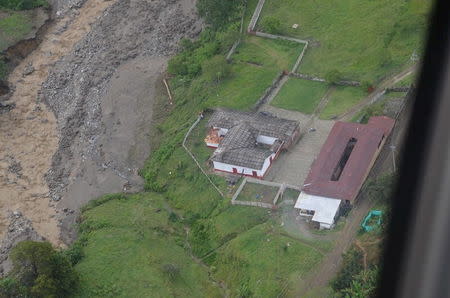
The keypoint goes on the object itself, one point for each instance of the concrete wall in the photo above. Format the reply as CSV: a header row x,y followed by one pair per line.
x,y
223,167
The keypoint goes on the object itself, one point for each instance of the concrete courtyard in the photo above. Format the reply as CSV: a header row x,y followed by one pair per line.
x,y
292,167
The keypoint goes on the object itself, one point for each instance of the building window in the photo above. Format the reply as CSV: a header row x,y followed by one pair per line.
x,y
343,160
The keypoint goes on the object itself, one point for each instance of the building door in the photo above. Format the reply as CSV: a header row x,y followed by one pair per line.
x,y
234,171
255,174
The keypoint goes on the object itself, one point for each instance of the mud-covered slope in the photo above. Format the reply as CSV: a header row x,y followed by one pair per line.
x,y
102,96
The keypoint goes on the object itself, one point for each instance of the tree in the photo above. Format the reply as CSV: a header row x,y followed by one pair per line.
x,y
39,271
381,188
216,69
363,285
271,25
218,13
333,76
352,265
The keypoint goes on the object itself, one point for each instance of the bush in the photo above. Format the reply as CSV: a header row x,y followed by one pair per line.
x,y
218,13
39,271
352,265
22,4
271,25
333,76
171,270
216,69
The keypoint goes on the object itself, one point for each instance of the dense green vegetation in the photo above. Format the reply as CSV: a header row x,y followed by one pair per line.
x,y
38,271
363,39
343,98
300,95
22,4
13,27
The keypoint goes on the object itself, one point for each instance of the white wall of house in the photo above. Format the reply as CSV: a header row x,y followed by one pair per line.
x,y
220,166
213,145
222,131
265,140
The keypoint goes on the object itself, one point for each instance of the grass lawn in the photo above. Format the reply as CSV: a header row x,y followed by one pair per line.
x,y
341,100
14,26
291,194
263,263
394,94
256,64
300,95
364,39
129,242
255,192
407,81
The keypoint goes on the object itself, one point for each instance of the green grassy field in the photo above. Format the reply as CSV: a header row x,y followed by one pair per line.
x,y
410,79
14,26
256,64
341,100
264,263
255,192
129,245
364,39
300,95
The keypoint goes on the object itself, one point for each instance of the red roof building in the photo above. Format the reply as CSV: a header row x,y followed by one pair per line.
x,y
346,158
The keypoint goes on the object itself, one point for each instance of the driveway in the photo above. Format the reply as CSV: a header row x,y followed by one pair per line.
x,y
293,166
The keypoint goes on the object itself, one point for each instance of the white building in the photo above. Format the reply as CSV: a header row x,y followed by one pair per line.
x,y
248,143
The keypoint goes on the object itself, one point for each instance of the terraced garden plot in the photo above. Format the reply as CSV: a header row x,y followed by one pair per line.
x,y
342,99
256,63
300,95
254,192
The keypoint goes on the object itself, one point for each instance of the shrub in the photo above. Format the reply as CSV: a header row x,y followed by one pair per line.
x,y
352,265
39,271
217,13
216,69
171,270
271,25
333,76
22,4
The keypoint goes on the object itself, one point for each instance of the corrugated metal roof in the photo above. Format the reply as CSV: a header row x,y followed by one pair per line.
x,y
325,208
239,145
264,124
368,137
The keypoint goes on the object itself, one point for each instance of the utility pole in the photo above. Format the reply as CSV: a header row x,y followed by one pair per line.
x,y
393,156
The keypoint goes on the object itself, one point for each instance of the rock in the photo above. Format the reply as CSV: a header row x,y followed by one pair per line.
x,y
29,69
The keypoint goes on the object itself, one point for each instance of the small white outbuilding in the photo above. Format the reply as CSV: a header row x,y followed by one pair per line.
x,y
321,209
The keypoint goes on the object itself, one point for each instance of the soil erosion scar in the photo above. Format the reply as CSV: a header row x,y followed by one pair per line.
x,y
28,135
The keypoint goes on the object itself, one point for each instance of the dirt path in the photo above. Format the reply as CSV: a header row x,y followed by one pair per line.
x,y
377,92
28,136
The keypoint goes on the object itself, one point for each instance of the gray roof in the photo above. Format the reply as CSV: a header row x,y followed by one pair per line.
x,y
252,158
264,124
239,146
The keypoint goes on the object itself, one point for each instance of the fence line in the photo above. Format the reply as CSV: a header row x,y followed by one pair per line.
x,y
238,42
299,59
193,157
255,16
273,36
